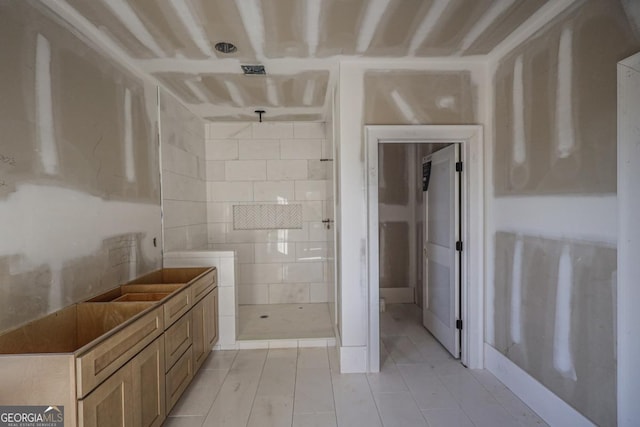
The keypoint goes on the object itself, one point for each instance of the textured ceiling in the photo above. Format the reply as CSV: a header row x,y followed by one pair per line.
x,y
299,42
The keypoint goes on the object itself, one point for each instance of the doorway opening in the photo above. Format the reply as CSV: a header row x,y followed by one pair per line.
x,y
462,254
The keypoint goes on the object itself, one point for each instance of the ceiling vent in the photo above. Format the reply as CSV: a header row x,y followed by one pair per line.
x,y
253,69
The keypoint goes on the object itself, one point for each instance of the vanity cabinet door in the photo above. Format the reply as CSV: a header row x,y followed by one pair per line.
x,y
111,404
149,385
211,318
200,350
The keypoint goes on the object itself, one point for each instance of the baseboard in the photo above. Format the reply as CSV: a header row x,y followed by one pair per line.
x,y
403,295
552,409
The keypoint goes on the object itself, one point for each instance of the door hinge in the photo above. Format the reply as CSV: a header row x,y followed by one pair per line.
x,y
458,166
459,324
459,246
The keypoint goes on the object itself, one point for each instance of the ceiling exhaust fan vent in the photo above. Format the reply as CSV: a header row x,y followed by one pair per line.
x,y
253,69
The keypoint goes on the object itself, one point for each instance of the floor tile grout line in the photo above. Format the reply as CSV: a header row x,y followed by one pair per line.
x,y
221,384
295,383
333,393
255,393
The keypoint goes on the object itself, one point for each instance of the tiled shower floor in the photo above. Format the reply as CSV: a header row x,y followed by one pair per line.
x,y
284,321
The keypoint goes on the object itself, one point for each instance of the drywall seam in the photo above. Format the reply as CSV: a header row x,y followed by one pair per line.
x,y
562,357
313,25
516,292
251,15
234,93
129,160
426,26
293,66
196,90
44,107
128,17
309,90
193,27
519,138
559,217
372,17
536,21
404,108
489,17
565,137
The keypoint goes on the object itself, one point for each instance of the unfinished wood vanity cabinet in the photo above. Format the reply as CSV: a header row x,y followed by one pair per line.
x,y
122,358
133,396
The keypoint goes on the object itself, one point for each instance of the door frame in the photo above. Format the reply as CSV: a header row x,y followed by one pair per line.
x,y
471,142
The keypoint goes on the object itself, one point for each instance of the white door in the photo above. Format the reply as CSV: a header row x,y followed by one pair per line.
x,y
441,305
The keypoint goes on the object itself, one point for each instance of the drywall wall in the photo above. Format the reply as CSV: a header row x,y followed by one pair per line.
x,y
79,178
263,167
356,105
555,104
184,188
396,97
551,284
396,215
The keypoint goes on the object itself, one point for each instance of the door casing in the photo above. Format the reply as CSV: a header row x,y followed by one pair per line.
x,y
470,138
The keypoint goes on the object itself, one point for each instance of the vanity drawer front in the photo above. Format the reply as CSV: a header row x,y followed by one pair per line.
x,y
178,379
177,306
203,285
177,339
106,357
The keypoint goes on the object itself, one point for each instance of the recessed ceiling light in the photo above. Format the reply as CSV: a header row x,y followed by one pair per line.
x,y
226,47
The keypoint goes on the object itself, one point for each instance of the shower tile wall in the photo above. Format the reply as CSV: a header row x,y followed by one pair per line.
x,y
271,163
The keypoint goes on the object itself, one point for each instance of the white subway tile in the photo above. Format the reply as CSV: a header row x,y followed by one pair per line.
x,y
227,272
318,232
311,251
230,191
327,148
273,191
275,252
303,272
259,273
245,236
217,232
253,294
318,169
311,190
215,170
219,212
286,293
271,130
300,149
312,211
222,149
262,149
245,170
308,130
285,170
289,235
228,130
244,251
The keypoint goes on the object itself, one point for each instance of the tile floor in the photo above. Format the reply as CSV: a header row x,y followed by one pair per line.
x,y
284,321
419,385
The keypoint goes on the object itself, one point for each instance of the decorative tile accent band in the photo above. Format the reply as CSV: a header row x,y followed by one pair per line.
x,y
266,217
